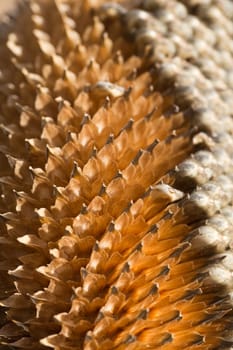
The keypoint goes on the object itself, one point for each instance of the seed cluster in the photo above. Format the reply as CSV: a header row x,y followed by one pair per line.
x,y
116,184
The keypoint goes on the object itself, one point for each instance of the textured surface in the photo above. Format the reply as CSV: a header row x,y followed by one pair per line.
x,y
116,156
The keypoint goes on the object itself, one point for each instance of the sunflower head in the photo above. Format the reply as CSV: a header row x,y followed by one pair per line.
x,y
115,180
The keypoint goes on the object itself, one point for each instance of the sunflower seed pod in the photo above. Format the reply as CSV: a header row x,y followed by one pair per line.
x,y
116,187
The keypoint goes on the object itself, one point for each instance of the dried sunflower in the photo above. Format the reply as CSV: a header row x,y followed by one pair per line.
x,y
116,175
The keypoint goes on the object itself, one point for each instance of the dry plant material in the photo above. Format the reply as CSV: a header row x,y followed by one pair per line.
x,y
116,156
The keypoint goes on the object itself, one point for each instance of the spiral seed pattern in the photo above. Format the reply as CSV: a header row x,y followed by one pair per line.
x,y
116,184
